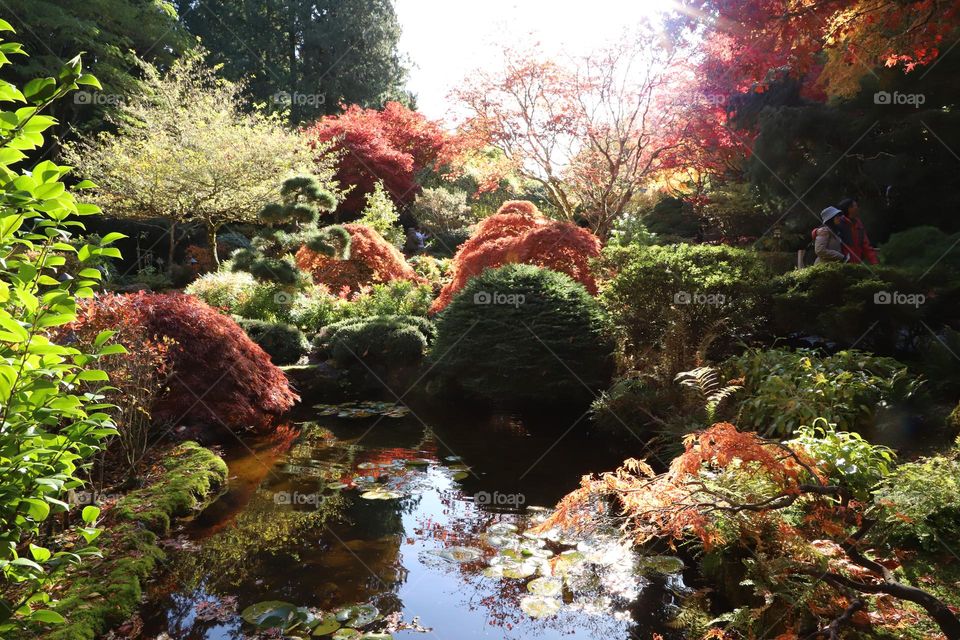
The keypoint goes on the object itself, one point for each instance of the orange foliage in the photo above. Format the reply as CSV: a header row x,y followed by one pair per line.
x,y
372,259
517,233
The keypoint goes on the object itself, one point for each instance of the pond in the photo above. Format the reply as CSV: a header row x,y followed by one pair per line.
x,y
422,519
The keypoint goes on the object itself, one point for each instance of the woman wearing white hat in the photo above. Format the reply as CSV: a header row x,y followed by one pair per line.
x,y
828,238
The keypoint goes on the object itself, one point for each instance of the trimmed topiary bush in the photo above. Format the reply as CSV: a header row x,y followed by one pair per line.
x,y
378,340
284,343
523,335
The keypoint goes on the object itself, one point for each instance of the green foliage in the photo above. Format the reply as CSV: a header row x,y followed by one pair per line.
x,y
706,382
634,404
224,289
784,390
376,340
380,214
937,360
674,300
312,312
52,410
920,502
430,269
440,211
444,244
520,334
333,242
359,40
847,459
672,217
630,228
394,298
921,248
839,302
285,343
733,210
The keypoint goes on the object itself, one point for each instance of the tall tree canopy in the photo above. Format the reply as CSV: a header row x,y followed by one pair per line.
x,y
115,36
310,55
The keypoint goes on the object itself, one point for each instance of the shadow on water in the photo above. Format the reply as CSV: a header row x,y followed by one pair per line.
x,y
357,511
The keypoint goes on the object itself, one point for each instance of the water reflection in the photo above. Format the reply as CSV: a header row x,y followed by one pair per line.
x,y
295,526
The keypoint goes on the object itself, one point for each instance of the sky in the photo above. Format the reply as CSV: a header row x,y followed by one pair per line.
x,y
447,39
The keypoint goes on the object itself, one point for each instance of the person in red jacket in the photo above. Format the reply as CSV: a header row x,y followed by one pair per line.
x,y
859,249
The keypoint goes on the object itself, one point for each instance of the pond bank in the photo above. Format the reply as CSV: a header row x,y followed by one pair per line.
x,y
104,593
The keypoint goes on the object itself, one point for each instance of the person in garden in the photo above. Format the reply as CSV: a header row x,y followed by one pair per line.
x,y
859,248
832,239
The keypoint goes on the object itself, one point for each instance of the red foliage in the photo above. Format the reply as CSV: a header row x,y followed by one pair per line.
x,y
390,145
372,259
218,376
517,233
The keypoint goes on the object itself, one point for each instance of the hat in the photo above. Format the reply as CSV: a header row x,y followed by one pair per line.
x,y
829,214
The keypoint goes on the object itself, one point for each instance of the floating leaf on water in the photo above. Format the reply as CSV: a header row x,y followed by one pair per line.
x,y
519,570
502,528
453,458
458,554
662,565
358,615
493,571
380,494
568,562
327,625
336,486
461,475
270,613
540,606
501,540
549,587
419,462
347,634
367,465
534,509
377,636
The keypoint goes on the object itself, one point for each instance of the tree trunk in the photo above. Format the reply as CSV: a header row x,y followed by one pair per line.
x,y
212,239
171,253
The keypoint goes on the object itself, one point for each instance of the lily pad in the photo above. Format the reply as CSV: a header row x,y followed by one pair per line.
x,y
549,587
270,613
377,636
502,528
347,634
519,570
358,615
458,554
380,494
540,606
326,626
336,486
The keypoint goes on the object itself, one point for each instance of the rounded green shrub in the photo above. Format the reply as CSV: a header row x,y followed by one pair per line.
x,y
388,340
523,335
226,290
284,343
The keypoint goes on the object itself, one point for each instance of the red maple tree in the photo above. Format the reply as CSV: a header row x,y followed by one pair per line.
x,y
215,375
372,259
391,145
517,233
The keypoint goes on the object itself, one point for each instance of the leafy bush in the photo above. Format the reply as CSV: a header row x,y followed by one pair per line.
x,y
430,270
520,334
227,290
219,377
673,300
840,302
631,229
440,211
921,502
283,342
380,214
397,298
519,234
673,217
314,310
445,244
784,390
634,404
920,248
372,259
845,457
377,340
52,407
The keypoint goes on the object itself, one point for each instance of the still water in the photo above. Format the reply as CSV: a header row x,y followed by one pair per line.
x,y
418,517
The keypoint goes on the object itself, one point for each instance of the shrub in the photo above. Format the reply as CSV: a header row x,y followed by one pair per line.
x,y
920,248
921,502
545,344
376,340
840,302
784,390
283,342
430,270
673,217
226,290
380,214
218,375
397,298
372,259
314,310
675,300
445,244
440,211
519,234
